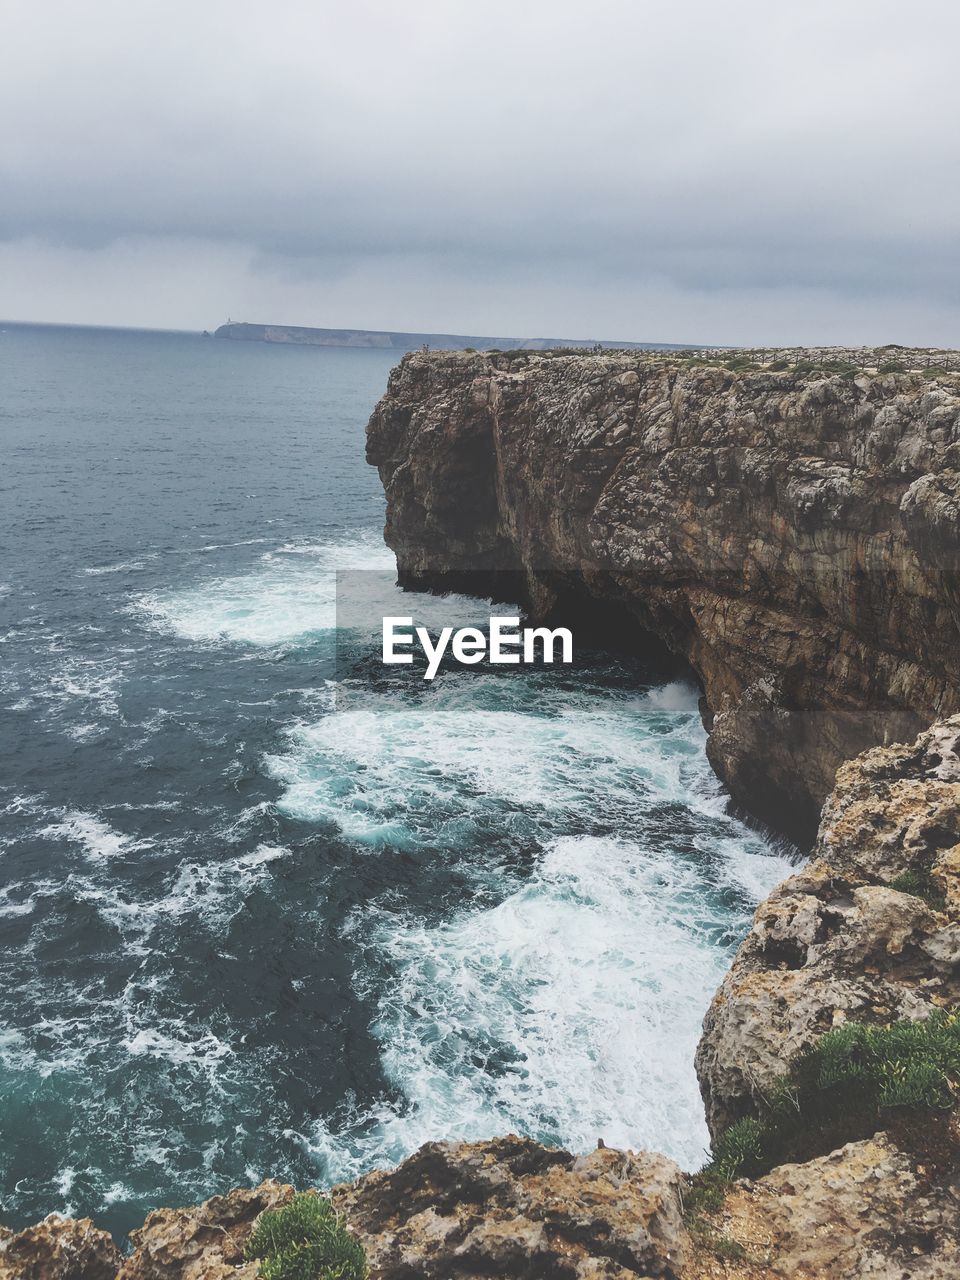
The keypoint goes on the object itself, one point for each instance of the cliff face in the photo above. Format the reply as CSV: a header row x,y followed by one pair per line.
x,y
847,939
793,535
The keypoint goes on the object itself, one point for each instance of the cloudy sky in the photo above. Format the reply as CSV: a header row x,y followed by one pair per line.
x,y
692,170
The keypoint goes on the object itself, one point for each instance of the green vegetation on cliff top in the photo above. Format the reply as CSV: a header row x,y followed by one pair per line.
x,y
306,1240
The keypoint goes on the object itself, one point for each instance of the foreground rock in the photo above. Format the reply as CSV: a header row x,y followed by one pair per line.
x,y
514,1209
836,941
794,535
867,1210
58,1249
202,1243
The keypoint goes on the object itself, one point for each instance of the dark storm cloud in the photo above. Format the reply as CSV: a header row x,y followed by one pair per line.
x,y
710,160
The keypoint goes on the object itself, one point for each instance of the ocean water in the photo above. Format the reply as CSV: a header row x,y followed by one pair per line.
x,y
253,923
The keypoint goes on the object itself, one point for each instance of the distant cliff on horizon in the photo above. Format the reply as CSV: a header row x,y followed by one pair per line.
x,y
302,336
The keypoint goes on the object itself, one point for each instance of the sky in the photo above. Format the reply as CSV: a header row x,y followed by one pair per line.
x,y
711,171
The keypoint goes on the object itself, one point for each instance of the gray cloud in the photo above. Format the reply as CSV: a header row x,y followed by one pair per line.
x,y
728,171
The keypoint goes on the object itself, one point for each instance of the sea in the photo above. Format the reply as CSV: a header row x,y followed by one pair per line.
x,y
250,928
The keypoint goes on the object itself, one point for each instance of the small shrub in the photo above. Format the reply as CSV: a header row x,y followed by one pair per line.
x,y
739,1148
737,1153
306,1240
920,884
892,366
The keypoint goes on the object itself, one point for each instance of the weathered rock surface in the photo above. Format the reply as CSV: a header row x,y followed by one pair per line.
x,y
58,1249
866,1210
202,1243
512,1208
835,941
794,536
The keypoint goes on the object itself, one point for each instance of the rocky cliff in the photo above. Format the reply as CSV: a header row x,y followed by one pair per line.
x,y
792,533
868,932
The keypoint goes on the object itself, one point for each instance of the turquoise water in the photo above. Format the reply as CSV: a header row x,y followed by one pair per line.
x,y
246,932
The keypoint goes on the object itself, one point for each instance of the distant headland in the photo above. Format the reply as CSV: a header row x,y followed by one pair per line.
x,y
300,335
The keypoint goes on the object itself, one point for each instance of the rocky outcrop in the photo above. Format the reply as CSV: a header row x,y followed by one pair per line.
x,y
867,1210
58,1249
202,1243
842,939
792,533
512,1208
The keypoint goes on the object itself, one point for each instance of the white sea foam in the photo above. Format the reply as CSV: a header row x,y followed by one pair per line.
x,y
15,1053
84,732
90,681
22,907
31,804
385,769
288,597
214,892
99,841
571,1009
210,893
203,1051
117,1191
123,566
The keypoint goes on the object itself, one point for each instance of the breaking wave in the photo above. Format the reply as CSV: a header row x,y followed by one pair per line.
x,y
288,598
566,1002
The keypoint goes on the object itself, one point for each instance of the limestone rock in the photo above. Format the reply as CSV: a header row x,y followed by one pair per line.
x,y
866,1210
836,941
58,1249
205,1242
790,534
514,1209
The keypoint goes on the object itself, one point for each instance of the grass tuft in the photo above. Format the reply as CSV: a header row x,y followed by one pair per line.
x,y
306,1240
920,884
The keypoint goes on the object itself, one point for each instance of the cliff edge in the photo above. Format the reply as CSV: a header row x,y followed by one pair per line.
x,y
790,527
